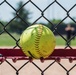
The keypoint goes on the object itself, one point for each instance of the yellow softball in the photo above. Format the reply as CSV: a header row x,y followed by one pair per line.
x,y
37,41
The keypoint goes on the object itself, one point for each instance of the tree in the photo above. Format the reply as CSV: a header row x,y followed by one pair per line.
x,y
18,25
1,28
2,24
56,21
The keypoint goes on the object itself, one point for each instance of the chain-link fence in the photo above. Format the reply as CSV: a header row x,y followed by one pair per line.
x,y
53,67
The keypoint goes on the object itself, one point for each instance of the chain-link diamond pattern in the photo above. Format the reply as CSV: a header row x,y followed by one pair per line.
x,y
55,29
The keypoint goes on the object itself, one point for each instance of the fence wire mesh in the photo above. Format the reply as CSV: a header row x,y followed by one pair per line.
x,y
49,68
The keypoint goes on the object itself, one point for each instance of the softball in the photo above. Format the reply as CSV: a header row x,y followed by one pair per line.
x,y
37,41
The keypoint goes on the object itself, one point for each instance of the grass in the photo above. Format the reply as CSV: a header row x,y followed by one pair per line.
x,y
6,40
60,41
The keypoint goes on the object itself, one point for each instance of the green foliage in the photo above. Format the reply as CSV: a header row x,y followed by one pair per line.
x,y
1,28
56,21
2,24
60,26
21,22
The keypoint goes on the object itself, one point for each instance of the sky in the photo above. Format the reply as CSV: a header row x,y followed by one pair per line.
x,y
53,12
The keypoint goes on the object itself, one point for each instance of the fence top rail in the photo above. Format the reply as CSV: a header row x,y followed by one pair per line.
x,y
17,54
57,52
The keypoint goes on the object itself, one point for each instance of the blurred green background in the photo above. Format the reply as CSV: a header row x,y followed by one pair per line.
x,y
21,19
6,40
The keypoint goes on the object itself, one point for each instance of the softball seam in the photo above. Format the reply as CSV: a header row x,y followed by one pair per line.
x,y
37,40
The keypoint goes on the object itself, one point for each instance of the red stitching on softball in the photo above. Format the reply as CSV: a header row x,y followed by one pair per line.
x,y
38,35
